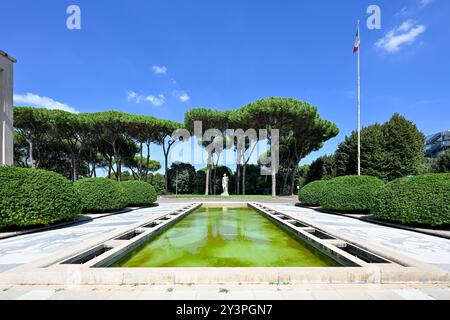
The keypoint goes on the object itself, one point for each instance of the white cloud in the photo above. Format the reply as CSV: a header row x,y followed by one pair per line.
x,y
159,69
137,98
424,3
402,12
133,96
405,34
181,95
405,26
156,101
34,100
185,97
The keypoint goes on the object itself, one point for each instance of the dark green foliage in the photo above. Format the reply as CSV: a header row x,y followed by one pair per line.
x,y
199,182
255,183
301,175
35,197
312,193
75,145
442,164
138,193
404,147
427,166
127,176
351,194
416,200
182,177
157,181
100,195
372,153
388,151
323,168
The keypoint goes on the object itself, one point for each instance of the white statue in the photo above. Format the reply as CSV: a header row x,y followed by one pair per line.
x,y
225,180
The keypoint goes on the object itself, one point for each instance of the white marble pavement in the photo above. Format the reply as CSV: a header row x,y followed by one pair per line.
x,y
27,248
31,247
421,247
228,292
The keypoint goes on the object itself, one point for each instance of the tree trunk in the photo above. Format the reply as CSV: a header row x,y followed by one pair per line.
x,y
285,181
148,161
31,154
243,178
93,174
293,184
166,176
214,180
118,163
140,173
74,169
119,170
208,174
238,178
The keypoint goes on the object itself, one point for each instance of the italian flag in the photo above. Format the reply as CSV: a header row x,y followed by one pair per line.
x,y
357,43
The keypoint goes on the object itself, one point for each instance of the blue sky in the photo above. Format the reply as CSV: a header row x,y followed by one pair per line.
x,y
162,58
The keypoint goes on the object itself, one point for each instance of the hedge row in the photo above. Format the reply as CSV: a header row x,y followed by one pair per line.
x,y
311,194
421,200
100,195
353,194
139,194
104,195
417,200
36,197
31,197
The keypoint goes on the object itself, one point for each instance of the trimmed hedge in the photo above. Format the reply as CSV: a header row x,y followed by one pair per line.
x,y
30,197
352,194
417,200
100,195
311,194
138,193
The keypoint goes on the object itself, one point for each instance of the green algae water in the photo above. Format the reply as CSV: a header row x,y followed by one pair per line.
x,y
225,237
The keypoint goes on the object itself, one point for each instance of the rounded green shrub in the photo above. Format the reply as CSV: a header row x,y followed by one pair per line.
x,y
100,195
138,193
352,194
311,194
30,197
417,200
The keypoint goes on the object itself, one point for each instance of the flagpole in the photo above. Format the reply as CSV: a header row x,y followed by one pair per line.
x,y
359,106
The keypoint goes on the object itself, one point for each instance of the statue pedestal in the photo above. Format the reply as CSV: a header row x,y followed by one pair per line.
x,y
225,194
